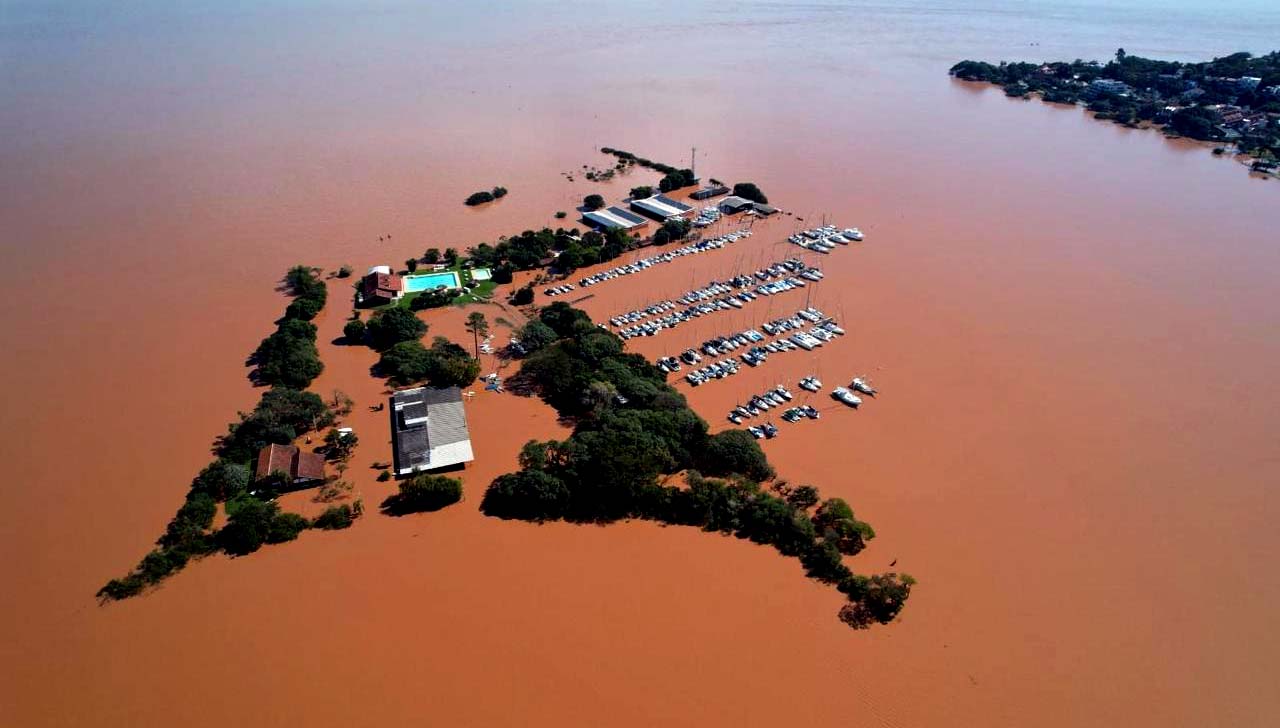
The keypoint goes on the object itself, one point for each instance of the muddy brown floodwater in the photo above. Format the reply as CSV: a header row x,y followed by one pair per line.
x,y
1073,327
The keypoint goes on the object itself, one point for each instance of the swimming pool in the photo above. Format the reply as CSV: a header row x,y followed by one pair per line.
x,y
481,274
427,281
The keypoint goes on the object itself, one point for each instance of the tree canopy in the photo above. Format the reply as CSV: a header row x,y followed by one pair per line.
x,y
478,325
288,357
391,326
445,364
353,331
479,198
749,191
735,452
631,429
282,414
423,492
535,335
672,230
1186,98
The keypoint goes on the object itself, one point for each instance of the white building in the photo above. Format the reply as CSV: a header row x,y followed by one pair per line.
x,y
1109,86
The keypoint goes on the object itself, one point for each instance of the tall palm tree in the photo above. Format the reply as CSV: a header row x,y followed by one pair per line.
x,y
478,327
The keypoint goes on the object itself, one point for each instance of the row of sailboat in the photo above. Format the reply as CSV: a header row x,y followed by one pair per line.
x,y
825,239
716,296
642,264
779,396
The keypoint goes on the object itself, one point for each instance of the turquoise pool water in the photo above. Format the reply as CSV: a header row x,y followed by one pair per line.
x,y
427,281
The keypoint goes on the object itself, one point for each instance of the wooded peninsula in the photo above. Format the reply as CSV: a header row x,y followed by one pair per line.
x,y
1233,100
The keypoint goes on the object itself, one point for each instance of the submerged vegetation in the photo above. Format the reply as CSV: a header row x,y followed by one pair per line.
x,y
564,249
749,191
672,178
444,364
390,326
397,332
672,230
479,198
1233,99
632,430
288,357
423,493
283,414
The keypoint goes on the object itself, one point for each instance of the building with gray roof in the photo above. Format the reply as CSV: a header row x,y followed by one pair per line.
x,y
733,203
660,207
614,218
710,191
429,430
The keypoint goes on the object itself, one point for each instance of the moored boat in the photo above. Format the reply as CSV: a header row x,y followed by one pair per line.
x,y
843,395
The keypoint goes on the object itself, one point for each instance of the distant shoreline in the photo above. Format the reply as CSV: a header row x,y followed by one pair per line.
x,y
1230,103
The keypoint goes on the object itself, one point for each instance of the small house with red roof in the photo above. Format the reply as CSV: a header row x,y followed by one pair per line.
x,y
299,468
380,286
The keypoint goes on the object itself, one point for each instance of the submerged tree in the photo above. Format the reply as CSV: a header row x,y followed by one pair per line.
x,y
631,430
423,493
392,326
478,326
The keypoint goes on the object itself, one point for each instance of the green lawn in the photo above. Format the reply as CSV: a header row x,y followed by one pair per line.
x,y
482,292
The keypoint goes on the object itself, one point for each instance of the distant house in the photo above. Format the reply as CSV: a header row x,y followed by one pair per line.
x,y
300,468
661,208
614,218
1248,83
1230,116
1111,86
763,209
380,286
429,430
710,191
733,203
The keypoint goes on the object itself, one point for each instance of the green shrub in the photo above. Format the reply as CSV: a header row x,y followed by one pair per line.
x,y
353,331
523,296
286,527
335,518
423,493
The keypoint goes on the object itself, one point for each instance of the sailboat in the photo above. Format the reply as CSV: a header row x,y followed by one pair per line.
x,y
864,386
843,395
